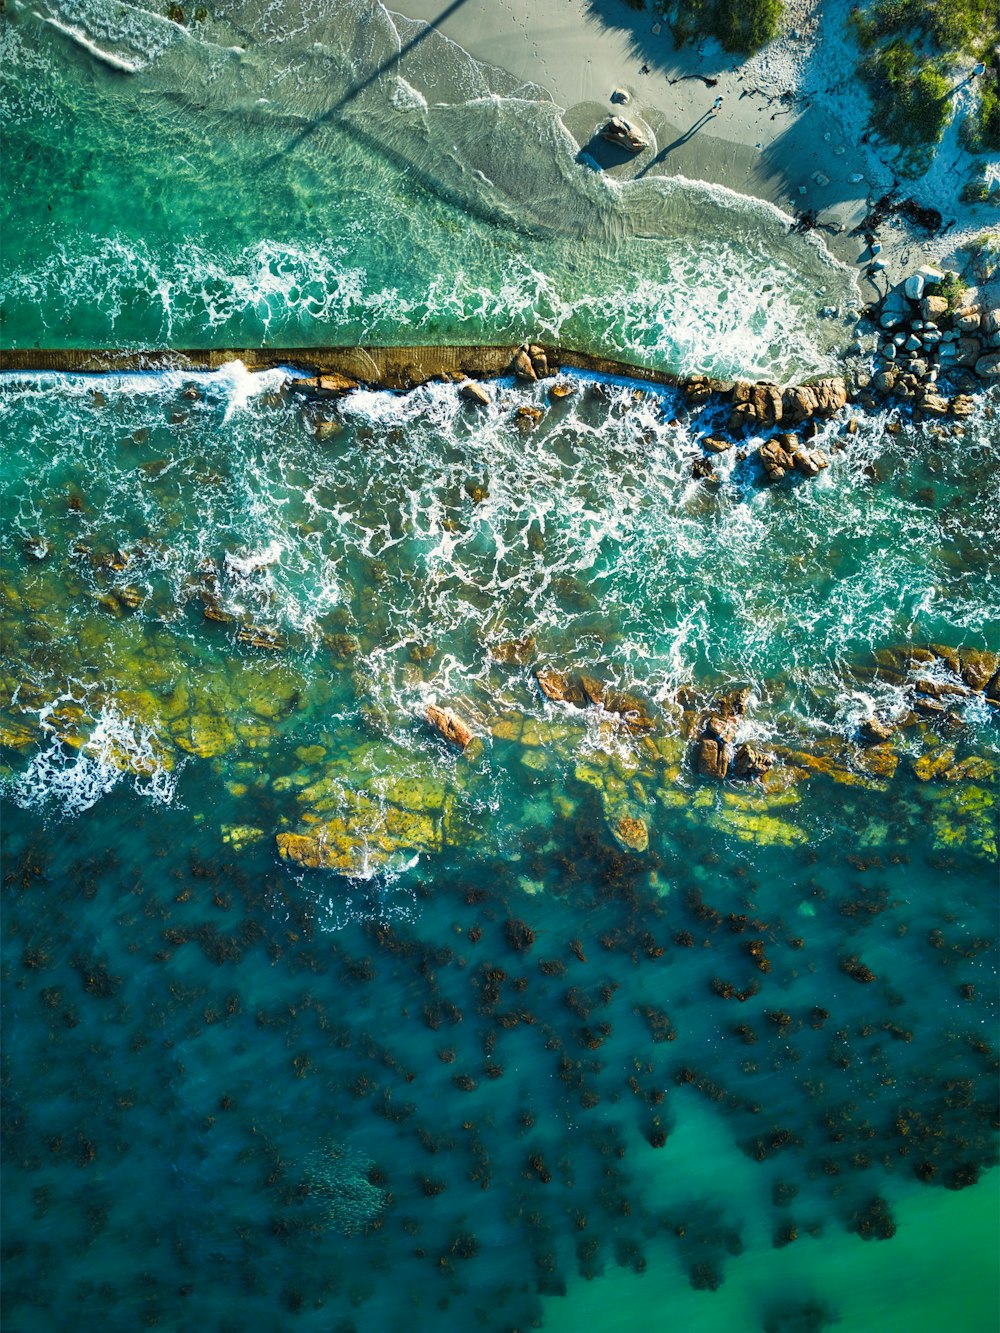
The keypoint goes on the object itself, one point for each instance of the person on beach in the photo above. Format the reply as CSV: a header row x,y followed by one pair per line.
x,y
716,106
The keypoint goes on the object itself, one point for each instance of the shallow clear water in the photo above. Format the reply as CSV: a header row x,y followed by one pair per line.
x,y
257,177
558,1032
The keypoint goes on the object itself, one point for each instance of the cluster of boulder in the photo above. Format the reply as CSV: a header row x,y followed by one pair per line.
x,y
716,751
761,406
927,336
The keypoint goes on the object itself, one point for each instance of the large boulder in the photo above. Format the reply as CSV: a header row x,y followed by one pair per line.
x,y
471,392
776,458
713,757
450,725
988,367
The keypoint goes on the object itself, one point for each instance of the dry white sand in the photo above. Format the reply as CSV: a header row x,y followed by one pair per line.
x,y
792,129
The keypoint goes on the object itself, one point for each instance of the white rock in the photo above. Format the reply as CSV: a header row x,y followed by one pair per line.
x,y
914,286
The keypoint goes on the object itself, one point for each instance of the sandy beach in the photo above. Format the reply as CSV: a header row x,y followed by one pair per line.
x,y
792,128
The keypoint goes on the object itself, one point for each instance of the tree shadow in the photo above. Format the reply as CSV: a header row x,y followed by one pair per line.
x,y
358,88
657,51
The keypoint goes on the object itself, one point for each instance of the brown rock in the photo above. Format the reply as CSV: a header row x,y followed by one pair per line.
x,y
562,390
471,392
879,760
798,403
978,668
450,725
874,731
557,686
934,405
716,444
528,417
933,308
713,758
751,762
767,402
539,361
523,368
830,394
721,728
336,384
514,652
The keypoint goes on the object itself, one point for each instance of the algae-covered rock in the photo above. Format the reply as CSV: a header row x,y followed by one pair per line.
x,y
16,736
763,829
204,734
935,763
367,838
310,754
879,760
239,836
630,831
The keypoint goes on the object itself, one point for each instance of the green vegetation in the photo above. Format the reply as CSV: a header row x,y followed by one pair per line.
x,y
912,102
918,51
742,28
953,289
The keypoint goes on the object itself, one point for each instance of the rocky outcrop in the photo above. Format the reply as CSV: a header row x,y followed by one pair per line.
x,y
450,725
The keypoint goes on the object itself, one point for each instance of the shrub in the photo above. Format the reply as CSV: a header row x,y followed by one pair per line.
x,y
912,101
742,28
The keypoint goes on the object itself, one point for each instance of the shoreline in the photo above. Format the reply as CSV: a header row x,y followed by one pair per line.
x,y
792,131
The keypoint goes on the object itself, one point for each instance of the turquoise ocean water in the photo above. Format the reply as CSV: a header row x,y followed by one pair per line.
x,y
558,1034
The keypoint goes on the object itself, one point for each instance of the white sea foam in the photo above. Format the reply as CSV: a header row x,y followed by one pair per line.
x,y
117,748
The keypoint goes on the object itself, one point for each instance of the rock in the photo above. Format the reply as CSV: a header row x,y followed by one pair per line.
x,y
914,287
743,416
798,403
239,836
933,405
978,668
716,444
881,761
621,97
523,368
539,361
776,460
514,652
527,417
471,392
450,725
713,758
558,687
885,381
933,307
963,405
967,320
751,762
36,548
935,763
631,832
810,462
767,403
619,131
336,384
721,728
990,321
988,367
830,394
563,389
874,731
